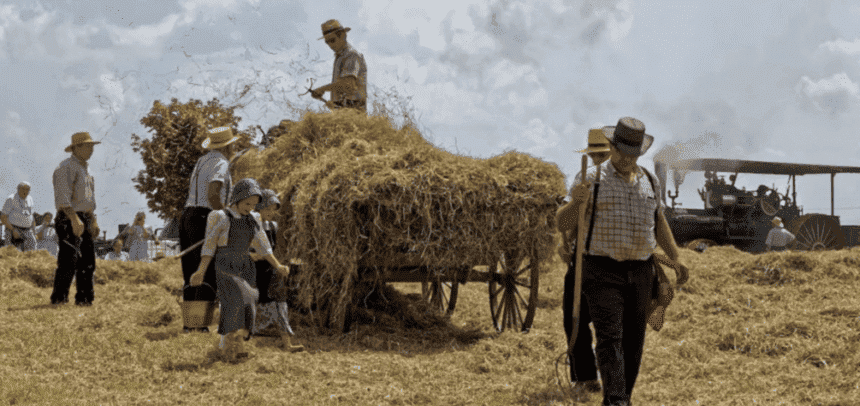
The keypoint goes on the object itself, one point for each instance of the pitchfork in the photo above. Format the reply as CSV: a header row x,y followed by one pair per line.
x,y
310,90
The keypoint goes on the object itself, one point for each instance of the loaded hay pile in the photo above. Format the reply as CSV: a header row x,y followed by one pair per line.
x,y
356,189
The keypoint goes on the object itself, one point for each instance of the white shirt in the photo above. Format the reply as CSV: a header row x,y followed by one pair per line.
x,y
779,237
112,256
19,211
212,167
218,233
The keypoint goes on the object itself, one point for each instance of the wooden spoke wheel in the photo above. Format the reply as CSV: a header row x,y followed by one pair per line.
x,y
441,295
513,293
816,232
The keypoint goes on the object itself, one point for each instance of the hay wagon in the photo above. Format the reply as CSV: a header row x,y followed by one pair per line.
x,y
512,277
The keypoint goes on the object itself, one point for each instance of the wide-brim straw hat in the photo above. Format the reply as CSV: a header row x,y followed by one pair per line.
x,y
597,141
268,198
629,137
219,138
244,189
776,221
331,26
81,138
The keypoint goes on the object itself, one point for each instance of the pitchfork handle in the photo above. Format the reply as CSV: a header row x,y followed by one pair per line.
x,y
577,286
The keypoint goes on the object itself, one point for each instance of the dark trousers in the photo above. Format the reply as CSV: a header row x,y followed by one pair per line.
x,y
192,228
618,294
583,365
264,279
75,259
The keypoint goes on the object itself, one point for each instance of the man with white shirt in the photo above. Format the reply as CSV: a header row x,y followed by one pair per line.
x,y
209,190
778,238
18,218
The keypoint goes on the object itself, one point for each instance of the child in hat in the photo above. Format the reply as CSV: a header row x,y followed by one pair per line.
x,y
230,233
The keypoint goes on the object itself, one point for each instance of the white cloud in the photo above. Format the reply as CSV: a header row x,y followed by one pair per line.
x,y
146,36
837,83
843,46
542,136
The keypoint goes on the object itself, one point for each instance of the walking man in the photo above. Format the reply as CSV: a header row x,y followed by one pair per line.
x,y
618,275
209,190
76,225
778,238
18,218
348,85
583,369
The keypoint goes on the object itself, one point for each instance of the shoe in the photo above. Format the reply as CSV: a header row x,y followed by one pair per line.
x,y
287,344
59,302
203,329
592,386
186,330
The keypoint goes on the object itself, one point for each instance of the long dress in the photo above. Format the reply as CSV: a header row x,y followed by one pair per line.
x,y
272,316
49,241
235,276
138,245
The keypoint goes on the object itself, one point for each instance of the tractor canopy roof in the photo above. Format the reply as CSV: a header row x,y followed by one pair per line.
x,y
760,167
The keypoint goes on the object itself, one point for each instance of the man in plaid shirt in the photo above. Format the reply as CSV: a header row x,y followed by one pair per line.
x,y
617,274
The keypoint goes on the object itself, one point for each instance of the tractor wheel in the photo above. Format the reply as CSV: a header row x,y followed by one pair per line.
x,y
816,232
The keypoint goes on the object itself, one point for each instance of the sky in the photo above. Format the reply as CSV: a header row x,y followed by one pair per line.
x,y
765,80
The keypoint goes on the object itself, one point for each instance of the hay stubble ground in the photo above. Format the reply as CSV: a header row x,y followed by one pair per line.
x,y
765,330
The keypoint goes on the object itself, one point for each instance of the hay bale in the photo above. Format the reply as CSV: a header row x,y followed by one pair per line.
x,y
355,188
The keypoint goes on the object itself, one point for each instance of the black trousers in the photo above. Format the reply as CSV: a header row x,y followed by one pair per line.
x,y
76,259
618,294
583,365
192,228
264,279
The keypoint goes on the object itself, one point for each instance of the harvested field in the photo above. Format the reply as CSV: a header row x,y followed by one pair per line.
x,y
732,337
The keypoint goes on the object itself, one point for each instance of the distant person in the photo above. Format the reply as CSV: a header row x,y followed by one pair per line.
x,y
617,270
46,235
274,313
209,189
18,218
76,224
138,235
583,366
348,85
778,238
230,234
117,254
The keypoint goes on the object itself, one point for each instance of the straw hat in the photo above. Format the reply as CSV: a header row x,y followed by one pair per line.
x,y
597,141
331,26
777,222
219,138
268,198
244,189
629,137
81,138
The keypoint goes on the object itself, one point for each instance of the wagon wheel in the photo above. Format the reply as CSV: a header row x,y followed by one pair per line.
x,y
701,244
441,295
815,232
513,287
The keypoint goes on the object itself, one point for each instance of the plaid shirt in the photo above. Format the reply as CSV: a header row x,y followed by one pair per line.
x,y
624,227
349,62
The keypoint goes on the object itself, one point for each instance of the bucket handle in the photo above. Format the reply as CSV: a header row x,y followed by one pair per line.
x,y
204,283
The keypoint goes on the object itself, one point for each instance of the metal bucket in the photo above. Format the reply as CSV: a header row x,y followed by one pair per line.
x,y
197,313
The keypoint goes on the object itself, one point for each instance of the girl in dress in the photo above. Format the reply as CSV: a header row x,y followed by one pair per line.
x,y
273,313
137,236
230,233
46,235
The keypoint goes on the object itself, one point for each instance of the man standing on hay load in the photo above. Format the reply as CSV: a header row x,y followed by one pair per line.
x,y
76,224
230,233
209,190
348,85
618,275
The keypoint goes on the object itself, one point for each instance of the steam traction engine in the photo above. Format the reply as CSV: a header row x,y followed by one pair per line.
x,y
743,218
